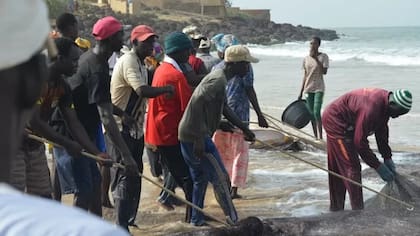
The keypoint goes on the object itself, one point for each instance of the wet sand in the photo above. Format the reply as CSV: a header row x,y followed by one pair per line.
x,y
153,219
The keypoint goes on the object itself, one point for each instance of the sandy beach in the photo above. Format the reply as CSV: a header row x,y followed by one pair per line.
x,y
153,219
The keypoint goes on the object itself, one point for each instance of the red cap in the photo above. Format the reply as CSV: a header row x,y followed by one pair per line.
x,y
141,33
106,27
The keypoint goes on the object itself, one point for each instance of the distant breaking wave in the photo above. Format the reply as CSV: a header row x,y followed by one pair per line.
x,y
393,53
386,56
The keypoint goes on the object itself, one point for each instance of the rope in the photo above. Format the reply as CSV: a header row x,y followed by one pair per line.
x,y
117,165
408,206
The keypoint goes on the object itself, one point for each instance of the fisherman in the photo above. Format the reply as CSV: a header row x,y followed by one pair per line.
x,y
67,26
165,112
30,169
348,121
240,91
203,52
92,100
200,120
195,62
129,92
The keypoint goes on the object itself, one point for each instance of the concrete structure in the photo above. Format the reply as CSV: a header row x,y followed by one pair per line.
x,y
206,7
260,14
215,8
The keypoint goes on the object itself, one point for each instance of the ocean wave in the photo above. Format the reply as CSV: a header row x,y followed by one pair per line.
x,y
385,56
289,172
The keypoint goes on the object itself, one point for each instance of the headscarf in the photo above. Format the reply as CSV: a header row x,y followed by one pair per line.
x,y
223,41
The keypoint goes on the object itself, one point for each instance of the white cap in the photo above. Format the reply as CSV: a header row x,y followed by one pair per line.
x,y
24,28
192,32
205,43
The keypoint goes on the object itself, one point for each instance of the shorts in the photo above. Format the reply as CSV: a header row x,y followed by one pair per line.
x,y
30,172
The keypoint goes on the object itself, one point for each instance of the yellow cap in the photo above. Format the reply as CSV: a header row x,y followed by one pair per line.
x,y
82,43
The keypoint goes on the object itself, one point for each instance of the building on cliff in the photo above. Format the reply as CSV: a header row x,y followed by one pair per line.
x,y
205,7
216,8
259,14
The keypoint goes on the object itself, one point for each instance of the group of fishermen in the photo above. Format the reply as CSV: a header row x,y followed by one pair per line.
x,y
186,94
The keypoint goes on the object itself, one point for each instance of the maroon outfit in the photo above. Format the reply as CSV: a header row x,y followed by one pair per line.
x,y
348,121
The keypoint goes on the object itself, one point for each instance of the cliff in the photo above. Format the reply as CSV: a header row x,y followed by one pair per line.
x,y
247,29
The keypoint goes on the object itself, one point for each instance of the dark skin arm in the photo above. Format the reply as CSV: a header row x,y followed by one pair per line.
x,y
192,78
41,127
105,112
303,85
252,96
152,92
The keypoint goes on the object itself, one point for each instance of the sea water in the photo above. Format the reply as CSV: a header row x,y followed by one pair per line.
x,y
386,58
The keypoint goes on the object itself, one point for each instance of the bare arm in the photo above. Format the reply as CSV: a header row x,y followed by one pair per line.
x,y
105,112
78,131
147,91
303,85
41,127
252,96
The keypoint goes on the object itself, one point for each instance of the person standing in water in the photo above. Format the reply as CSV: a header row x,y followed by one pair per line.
x,y
315,65
348,121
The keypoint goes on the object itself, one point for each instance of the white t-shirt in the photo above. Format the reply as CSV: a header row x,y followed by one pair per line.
x,y
22,214
314,73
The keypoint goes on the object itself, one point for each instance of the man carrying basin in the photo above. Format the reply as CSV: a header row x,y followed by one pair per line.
x,y
348,121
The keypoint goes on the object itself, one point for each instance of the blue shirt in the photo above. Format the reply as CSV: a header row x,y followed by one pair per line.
x,y
237,98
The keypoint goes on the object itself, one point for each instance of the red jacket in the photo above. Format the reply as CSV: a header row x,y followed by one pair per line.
x,y
357,115
165,113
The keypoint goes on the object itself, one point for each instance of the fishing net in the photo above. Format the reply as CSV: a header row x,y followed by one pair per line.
x,y
402,188
381,216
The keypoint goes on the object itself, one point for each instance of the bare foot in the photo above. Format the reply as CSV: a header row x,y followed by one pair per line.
x,y
107,203
166,206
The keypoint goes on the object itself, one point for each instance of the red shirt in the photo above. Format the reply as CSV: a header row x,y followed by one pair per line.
x,y
196,63
358,114
165,113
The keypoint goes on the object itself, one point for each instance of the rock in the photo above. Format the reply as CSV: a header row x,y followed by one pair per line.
x,y
248,30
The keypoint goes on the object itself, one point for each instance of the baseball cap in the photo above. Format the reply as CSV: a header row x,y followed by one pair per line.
x,y
205,43
106,27
237,53
141,33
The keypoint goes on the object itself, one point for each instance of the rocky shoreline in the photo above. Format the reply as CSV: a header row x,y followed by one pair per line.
x,y
246,29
